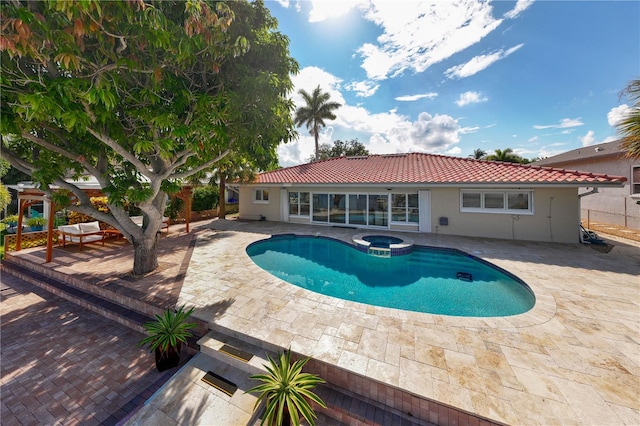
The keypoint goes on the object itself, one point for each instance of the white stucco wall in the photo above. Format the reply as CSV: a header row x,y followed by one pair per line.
x,y
556,215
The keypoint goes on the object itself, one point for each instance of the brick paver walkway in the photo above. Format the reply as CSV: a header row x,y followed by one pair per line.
x,y
62,364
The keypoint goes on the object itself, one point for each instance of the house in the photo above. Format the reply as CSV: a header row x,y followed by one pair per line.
x,y
613,205
426,193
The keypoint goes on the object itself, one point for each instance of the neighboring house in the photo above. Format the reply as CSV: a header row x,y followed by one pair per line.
x,y
614,205
425,193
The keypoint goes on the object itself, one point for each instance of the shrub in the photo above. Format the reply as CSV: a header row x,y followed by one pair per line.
x,y
175,206
205,198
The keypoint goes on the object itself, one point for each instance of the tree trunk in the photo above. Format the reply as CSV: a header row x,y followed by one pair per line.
x,y
145,255
222,204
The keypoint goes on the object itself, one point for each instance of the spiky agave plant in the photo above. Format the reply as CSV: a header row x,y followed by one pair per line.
x,y
286,391
168,330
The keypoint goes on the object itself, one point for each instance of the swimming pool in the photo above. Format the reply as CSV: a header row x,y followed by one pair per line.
x,y
430,279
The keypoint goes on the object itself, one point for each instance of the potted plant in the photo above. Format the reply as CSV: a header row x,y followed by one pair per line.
x,y
166,335
12,222
286,391
36,223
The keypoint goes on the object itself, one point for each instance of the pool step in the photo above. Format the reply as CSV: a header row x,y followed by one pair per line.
x,y
238,353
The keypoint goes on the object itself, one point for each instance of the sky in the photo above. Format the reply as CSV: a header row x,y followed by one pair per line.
x,y
452,76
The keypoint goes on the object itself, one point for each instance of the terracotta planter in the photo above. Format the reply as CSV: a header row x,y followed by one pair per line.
x,y
169,359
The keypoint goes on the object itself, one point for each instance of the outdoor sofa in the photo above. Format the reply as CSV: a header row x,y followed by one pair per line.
x,y
80,233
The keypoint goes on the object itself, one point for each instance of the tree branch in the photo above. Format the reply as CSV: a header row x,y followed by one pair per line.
x,y
142,168
200,167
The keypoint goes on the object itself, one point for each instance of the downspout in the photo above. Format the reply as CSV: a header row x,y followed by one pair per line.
x,y
593,191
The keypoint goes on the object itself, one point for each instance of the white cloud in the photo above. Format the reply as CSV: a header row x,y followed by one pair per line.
x,y
467,130
617,114
479,63
410,98
382,133
323,9
520,7
533,139
588,139
363,89
416,37
564,124
467,98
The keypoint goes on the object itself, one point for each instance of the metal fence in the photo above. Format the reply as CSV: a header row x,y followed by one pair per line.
x,y
625,220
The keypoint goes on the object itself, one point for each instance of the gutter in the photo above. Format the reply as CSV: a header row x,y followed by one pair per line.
x,y
593,191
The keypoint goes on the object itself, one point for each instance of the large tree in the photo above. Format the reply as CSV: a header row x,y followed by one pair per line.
x,y
629,127
340,149
141,95
316,110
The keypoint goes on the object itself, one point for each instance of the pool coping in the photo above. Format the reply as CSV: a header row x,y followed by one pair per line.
x,y
346,334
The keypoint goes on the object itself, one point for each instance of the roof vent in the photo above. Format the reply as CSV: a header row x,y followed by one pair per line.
x,y
599,148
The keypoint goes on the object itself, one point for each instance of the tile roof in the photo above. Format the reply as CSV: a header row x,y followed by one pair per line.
x,y
603,150
416,168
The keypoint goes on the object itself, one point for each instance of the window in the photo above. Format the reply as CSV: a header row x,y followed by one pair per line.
x,y
299,203
519,202
261,196
357,209
320,207
404,208
635,180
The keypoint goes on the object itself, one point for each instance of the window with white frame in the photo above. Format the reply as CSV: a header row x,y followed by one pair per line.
x,y
635,180
404,208
492,201
261,196
299,203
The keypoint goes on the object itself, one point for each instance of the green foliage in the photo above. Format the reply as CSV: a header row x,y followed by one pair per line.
x,y
168,330
11,219
629,126
478,154
204,198
286,389
506,156
36,221
140,95
5,197
347,149
4,167
175,206
316,110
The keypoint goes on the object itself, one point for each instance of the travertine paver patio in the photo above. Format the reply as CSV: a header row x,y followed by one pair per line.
x,y
573,359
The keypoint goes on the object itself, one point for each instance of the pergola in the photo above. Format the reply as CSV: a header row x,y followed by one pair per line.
x,y
28,195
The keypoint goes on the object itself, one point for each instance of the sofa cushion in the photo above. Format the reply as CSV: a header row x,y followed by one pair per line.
x,y
90,227
70,229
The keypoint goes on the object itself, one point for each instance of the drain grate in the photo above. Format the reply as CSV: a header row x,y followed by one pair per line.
x,y
236,353
219,383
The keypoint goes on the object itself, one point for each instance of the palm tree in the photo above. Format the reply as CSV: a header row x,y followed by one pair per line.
x,y
478,154
317,109
629,127
506,156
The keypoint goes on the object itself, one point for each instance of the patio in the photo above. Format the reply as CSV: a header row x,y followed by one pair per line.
x,y
573,359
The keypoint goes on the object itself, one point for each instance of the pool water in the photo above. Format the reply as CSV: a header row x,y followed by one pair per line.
x,y
381,241
430,280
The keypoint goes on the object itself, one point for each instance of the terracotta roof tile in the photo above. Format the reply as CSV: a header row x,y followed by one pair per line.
x,y
428,168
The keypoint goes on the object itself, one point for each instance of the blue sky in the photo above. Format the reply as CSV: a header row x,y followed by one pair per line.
x,y
448,77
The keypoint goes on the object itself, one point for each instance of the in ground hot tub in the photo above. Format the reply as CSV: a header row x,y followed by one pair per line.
x,y
383,245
